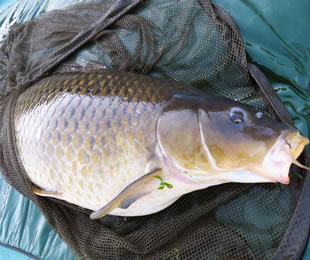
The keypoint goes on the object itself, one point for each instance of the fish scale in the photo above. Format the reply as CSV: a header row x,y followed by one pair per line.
x,y
89,131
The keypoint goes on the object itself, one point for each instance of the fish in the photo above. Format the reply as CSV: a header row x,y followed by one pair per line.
x,y
126,144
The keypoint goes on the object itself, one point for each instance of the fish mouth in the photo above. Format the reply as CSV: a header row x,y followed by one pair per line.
x,y
285,151
296,143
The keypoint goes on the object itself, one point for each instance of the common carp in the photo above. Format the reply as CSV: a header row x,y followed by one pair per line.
x,y
126,144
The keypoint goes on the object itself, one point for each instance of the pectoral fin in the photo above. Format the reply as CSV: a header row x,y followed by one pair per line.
x,y
131,193
45,193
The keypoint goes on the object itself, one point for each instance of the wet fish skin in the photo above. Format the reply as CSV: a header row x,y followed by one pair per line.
x,y
126,144
85,135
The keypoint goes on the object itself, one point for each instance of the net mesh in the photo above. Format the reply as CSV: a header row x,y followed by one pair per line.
x,y
192,42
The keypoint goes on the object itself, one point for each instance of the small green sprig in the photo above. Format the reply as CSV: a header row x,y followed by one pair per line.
x,y
163,184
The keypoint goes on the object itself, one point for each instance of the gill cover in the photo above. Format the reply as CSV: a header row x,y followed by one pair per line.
x,y
178,134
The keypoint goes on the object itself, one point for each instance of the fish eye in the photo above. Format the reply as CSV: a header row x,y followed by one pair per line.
x,y
259,114
237,115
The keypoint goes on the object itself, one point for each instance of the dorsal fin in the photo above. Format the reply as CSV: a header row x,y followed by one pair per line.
x,y
94,65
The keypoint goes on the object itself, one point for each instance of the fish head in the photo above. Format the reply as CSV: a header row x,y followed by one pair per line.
x,y
218,139
239,138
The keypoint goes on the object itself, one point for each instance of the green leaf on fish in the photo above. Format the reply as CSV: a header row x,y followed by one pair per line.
x,y
163,184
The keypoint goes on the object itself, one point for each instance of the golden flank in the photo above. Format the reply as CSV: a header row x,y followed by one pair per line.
x,y
126,144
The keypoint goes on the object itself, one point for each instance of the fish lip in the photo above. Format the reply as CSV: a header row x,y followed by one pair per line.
x,y
283,179
277,162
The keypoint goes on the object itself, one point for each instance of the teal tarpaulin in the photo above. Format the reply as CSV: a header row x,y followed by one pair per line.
x,y
12,254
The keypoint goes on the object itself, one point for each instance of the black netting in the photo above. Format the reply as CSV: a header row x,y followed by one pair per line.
x,y
189,41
